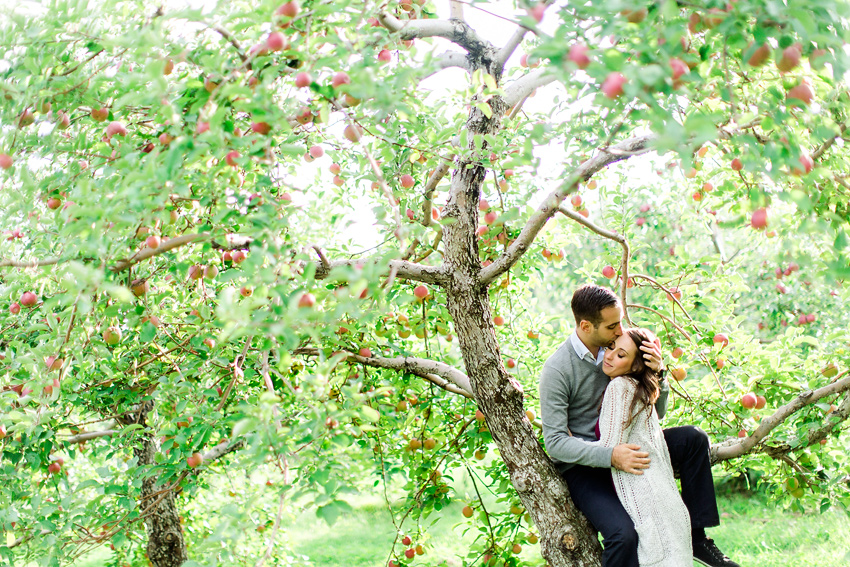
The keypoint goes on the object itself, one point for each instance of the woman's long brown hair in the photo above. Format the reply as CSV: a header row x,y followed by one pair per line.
x,y
645,378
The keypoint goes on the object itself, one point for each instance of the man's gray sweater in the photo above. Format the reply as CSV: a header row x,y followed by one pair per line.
x,y
571,390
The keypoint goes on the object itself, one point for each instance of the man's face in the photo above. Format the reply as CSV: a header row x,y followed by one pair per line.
x,y
609,328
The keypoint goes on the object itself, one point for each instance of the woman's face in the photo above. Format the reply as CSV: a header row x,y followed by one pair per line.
x,y
619,358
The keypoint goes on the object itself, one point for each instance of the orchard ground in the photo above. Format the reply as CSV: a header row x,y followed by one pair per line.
x,y
748,533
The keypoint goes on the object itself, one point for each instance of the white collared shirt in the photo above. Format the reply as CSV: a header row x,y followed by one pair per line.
x,y
583,352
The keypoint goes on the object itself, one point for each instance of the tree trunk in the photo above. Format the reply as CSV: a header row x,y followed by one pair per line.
x,y
166,545
566,537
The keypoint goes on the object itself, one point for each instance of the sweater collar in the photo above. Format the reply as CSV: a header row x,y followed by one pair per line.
x,y
583,352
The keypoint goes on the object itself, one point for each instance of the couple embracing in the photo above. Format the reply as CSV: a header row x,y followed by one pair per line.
x,y
602,394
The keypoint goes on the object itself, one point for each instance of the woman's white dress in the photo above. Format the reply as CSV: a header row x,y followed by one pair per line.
x,y
652,499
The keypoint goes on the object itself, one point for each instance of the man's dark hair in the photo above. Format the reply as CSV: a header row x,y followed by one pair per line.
x,y
588,302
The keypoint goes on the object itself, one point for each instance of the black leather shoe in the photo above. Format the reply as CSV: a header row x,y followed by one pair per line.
x,y
706,553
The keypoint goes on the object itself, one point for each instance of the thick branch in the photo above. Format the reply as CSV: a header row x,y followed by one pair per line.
x,y
166,246
725,451
31,263
525,85
551,204
446,60
456,31
403,269
447,377
223,449
511,45
83,437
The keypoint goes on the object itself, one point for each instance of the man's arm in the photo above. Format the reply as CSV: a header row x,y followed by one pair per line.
x,y
554,414
661,402
652,356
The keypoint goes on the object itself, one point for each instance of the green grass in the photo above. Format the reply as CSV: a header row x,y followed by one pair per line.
x,y
753,532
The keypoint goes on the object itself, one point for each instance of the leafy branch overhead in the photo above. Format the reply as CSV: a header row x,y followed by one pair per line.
x,y
254,254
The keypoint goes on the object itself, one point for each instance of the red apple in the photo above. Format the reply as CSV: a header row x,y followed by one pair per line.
x,y
211,271
761,401
510,363
340,78
498,320
421,292
353,133
721,338
139,287
612,87
679,68
407,181
195,460
6,161
802,92
384,56
490,217
112,336
116,129
153,241
537,11
578,55
202,127
737,165
54,467
277,41
290,9
609,272
790,58
576,201
261,127
15,308
29,299
303,79
483,205
749,400
231,158
677,352
335,168
678,374
365,352
53,363
759,219
306,300
808,165
99,114
640,221
760,55
209,84
238,256
406,540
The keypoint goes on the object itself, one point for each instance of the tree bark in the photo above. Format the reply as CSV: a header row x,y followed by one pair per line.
x,y
566,537
166,544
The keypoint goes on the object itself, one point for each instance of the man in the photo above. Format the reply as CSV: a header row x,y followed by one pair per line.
x,y
572,385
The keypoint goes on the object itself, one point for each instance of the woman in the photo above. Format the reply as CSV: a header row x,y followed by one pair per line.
x,y
628,415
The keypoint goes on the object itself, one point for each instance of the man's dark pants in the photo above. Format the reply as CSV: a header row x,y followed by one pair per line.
x,y
592,491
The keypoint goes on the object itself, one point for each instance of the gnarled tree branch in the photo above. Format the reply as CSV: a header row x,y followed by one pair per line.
x,y
551,204
525,85
403,269
456,31
736,448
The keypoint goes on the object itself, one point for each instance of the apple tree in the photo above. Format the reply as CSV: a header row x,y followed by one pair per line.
x,y
191,320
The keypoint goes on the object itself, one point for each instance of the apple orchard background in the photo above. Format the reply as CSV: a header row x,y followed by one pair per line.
x,y
191,321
